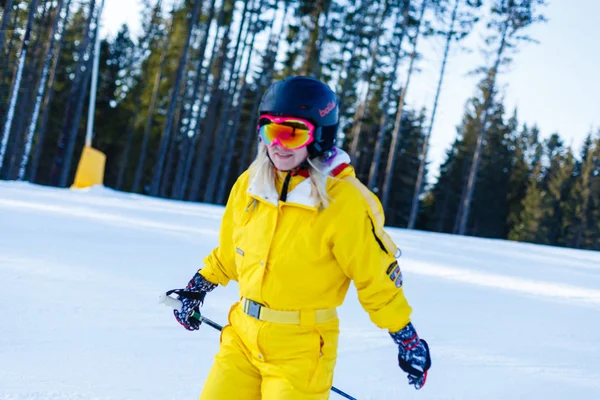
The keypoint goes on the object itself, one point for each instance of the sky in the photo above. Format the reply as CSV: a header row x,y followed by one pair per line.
x,y
553,84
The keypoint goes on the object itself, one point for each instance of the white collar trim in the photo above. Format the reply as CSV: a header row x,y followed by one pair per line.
x,y
300,195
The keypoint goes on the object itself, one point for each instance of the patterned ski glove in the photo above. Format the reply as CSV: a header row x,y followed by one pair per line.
x,y
192,297
413,355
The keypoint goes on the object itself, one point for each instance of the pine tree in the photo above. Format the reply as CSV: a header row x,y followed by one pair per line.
x,y
397,130
530,227
153,69
444,209
354,35
359,117
207,126
8,5
524,146
200,136
7,128
41,88
577,208
48,100
592,235
166,137
559,182
490,199
465,19
262,81
256,26
511,17
196,100
405,170
61,167
545,205
112,117
401,24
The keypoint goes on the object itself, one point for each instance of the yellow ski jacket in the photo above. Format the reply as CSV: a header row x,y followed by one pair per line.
x,y
296,255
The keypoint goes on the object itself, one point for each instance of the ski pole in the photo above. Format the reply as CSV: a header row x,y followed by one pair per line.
x,y
176,305
338,391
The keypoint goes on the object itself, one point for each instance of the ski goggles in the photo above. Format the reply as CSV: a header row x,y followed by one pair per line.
x,y
290,132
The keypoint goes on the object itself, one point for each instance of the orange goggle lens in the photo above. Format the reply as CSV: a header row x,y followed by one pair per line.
x,y
291,133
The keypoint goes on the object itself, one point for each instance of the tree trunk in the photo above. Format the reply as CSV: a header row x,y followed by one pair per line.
x,y
318,66
27,99
414,211
74,128
162,152
389,172
9,49
66,171
374,170
358,27
4,26
40,92
465,203
208,123
235,66
176,141
43,126
139,171
233,134
197,140
311,53
56,173
360,110
25,103
265,79
184,155
218,153
17,84
128,142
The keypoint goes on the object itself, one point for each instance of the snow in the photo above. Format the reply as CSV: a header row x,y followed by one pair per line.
x,y
81,271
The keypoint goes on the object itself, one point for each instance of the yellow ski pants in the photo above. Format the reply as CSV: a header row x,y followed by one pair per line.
x,y
271,361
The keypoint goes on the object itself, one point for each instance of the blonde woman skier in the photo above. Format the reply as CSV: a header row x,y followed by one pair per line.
x,y
298,227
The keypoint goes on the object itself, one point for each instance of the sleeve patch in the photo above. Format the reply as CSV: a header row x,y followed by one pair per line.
x,y
395,274
391,267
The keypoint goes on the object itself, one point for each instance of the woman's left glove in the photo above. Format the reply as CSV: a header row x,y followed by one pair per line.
x,y
413,355
192,297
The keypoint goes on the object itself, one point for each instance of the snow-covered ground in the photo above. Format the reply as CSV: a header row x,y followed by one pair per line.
x,y
80,273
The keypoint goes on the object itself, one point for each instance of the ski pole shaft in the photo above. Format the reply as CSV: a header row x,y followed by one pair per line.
x,y
207,321
338,391
176,305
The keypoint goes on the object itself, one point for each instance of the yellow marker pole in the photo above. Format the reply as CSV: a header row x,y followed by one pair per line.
x,y
90,170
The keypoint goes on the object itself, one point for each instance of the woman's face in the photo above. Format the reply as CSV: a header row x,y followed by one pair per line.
x,y
285,159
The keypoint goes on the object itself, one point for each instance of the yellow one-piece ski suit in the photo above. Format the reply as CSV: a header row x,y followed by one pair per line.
x,y
296,259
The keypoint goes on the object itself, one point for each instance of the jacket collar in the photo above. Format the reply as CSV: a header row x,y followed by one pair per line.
x,y
335,161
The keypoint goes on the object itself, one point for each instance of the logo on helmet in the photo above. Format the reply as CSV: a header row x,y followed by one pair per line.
x,y
330,106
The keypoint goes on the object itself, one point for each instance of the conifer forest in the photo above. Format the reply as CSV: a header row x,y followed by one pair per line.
x,y
176,106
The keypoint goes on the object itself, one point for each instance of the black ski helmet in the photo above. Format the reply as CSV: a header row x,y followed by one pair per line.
x,y
308,98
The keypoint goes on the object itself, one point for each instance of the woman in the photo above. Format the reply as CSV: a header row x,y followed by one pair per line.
x,y
298,226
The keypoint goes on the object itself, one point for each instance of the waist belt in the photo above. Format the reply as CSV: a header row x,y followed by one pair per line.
x,y
302,317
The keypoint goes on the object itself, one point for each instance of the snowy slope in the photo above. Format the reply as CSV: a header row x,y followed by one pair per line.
x,y
80,272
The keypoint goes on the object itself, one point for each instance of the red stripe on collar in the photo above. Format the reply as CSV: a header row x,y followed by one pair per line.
x,y
303,172
338,170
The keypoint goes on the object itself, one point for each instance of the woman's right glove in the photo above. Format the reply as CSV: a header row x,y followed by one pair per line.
x,y
192,297
413,355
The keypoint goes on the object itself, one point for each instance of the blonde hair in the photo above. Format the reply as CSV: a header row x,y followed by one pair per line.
x,y
263,173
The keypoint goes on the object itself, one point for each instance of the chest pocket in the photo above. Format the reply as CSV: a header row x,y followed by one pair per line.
x,y
240,233
239,258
